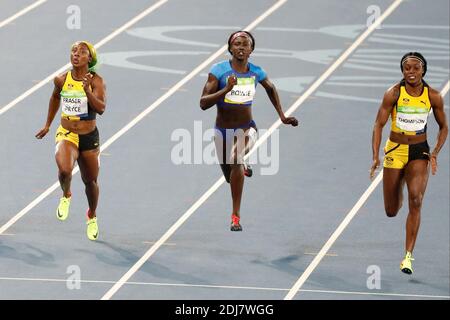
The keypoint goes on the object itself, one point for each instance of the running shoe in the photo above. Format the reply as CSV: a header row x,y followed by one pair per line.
x,y
235,225
92,228
406,265
62,212
248,171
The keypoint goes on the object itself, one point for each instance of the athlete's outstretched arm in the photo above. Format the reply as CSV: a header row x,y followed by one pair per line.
x,y
211,95
390,96
272,92
437,103
53,106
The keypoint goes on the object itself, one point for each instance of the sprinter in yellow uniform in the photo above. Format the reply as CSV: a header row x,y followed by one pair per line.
x,y
406,153
82,95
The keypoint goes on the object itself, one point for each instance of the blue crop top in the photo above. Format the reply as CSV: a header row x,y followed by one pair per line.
x,y
243,92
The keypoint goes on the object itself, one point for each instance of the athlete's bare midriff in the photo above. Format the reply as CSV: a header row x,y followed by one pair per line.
x,y
407,139
233,117
79,127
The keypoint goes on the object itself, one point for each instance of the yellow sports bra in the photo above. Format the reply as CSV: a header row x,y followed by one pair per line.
x,y
410,114
74,102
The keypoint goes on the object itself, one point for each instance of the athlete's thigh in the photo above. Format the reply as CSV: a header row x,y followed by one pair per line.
x,y
220,143
89,164
416,176
243,142
392,186
66,154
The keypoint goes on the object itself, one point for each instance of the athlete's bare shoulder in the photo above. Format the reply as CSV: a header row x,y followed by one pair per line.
x,y
391,95
435,97
394,90
433,92
60,79
97,76
97,80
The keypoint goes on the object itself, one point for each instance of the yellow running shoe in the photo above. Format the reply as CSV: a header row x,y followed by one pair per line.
x,y
62,212
92,228
406,265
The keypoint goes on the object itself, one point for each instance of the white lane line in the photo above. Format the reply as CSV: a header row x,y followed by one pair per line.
x,y
445,89
153,242
21,12
145,283
328,72
32,204
296,287
140,116
261,140
183,81
161,241
216,185
52,188
230,287
377,294
97,45
328,254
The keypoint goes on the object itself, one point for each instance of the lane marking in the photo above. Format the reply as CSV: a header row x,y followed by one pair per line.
x,y
376,293
206,195
53,187
328,254
261,140
230,287
138,118
295,288
166,244
181,89
21,13
108,38
32,204
445,89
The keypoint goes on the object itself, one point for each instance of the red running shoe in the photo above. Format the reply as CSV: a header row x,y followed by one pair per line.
x,y
235,225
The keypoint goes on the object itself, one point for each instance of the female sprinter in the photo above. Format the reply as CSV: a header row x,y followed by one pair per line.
x,y
82,95
231,86
406,153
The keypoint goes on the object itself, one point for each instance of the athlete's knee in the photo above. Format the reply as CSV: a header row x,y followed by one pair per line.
x,y
237,159
236,171
236,168
226,170
65,174
415,200
391,211
91,183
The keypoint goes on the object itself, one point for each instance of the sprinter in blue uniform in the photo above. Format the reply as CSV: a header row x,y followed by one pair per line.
x,y
231,85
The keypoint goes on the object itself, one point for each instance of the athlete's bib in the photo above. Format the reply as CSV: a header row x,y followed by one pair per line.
x,y
242,92
410,114
74,103
411,119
